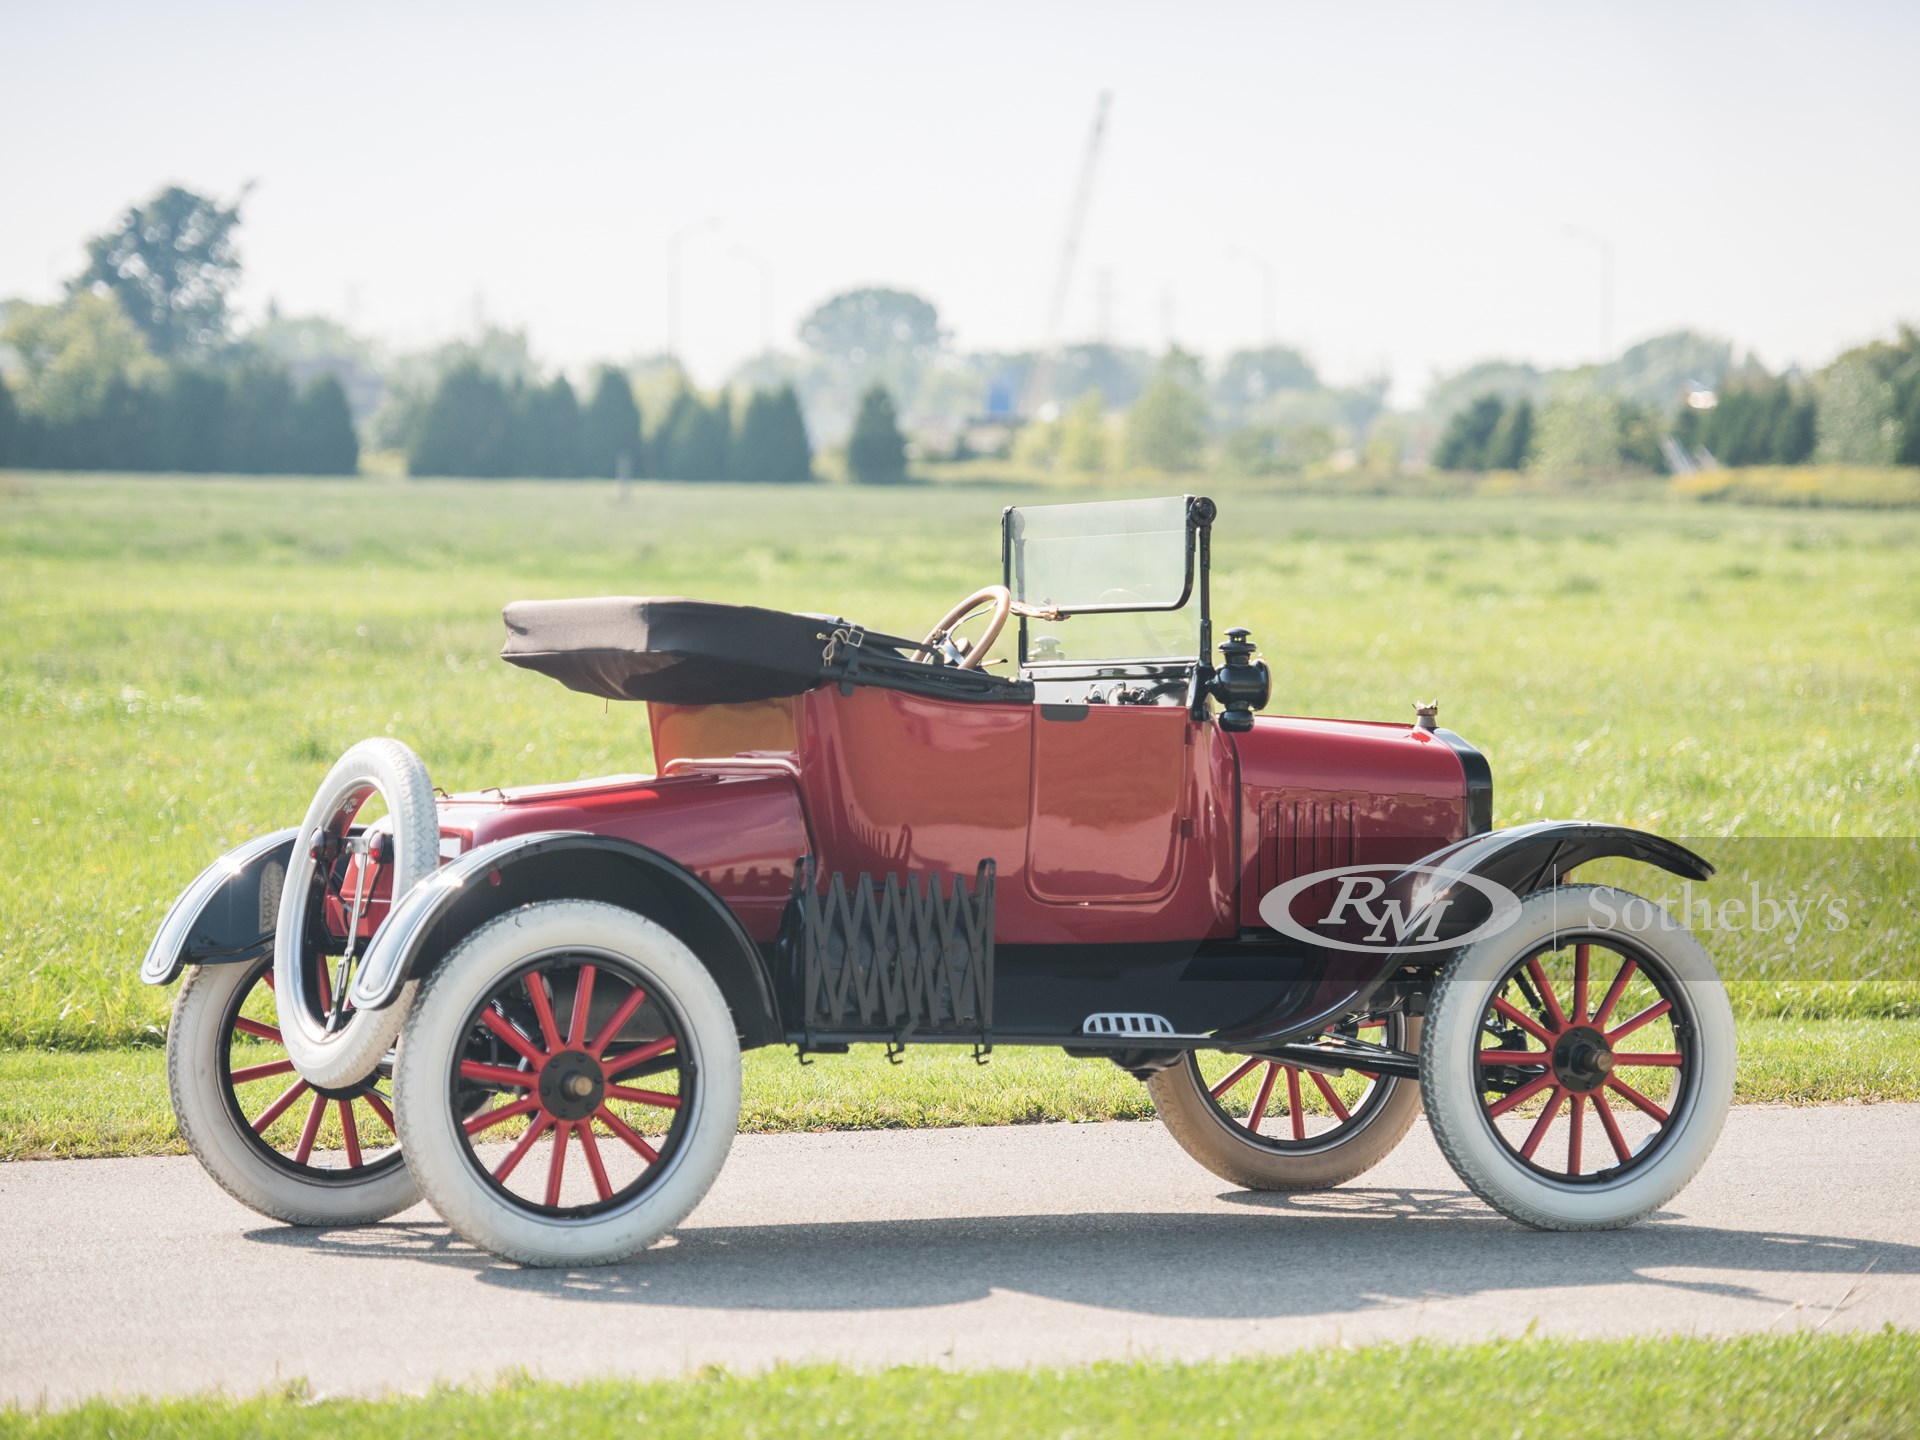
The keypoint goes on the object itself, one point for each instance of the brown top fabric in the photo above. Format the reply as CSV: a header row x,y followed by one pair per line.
x,y
686,652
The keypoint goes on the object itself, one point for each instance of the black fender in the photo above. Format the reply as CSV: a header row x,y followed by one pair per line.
x,y
227,914
446,907
1447,897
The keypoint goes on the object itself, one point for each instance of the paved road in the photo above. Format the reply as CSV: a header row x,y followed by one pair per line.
x,y
1051,1243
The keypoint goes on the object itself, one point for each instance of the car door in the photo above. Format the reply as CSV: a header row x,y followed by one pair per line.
x,y
1110,795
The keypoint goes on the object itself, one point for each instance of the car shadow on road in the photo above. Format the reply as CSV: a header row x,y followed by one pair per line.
x,y
1334,1252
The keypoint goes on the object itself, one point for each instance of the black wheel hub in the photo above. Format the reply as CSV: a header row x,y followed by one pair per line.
x,y
572,1085
1582,1059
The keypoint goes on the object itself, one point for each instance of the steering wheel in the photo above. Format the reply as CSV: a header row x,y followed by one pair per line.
x,y
940,645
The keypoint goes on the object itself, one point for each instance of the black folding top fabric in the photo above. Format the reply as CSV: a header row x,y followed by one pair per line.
x,y
685,652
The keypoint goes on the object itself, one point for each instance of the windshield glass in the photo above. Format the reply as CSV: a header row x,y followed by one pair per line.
x,y
1107,566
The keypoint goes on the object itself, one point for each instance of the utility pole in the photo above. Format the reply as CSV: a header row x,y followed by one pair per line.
x,y
1605,247
1041,380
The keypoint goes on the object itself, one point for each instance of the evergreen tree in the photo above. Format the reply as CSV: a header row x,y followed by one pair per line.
x,y
260,435
191,419
692,441
9,424
610,427
876,451
545,431
323,430
1507,446
771,444
1463,446
465,428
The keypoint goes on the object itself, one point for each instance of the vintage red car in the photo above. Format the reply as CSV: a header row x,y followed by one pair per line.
x,y
529,1005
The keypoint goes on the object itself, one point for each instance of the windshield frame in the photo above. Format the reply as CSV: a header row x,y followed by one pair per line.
x,y
1200,515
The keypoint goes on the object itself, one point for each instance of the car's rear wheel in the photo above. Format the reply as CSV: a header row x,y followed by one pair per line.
x,y
1272,1126
569,1084
267,1136
332,890
1577,1067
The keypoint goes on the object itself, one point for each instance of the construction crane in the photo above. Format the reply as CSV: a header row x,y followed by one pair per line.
x,y
1040,381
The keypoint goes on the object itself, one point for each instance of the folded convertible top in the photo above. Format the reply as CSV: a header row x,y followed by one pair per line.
x,y
685,652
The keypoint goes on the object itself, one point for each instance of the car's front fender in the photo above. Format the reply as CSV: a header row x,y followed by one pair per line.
x,y
227,914
1519,860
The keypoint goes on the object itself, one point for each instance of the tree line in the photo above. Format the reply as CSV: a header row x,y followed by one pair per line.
x,y
135,369
478,424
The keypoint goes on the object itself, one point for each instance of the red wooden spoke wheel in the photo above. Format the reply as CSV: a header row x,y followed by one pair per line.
x,y
1584,1059
582,1083
1286,1107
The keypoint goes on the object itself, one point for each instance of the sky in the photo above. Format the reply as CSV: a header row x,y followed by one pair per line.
x,y
1426,185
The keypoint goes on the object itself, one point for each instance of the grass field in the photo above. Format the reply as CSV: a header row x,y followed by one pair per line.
x,y
1659,1388
181,660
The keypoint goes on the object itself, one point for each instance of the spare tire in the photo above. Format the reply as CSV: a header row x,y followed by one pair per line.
x,y
331,1044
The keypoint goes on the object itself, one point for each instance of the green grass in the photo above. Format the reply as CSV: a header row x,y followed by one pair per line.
x,y
67,1104
181,659
1688,1388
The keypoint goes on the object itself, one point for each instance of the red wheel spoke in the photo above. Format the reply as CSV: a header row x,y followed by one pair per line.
x,y
558,1164
1645,1017
644,1097
592,1146
379,1107
582,1003
261,1072
1626,1060
611,1029
279,1107
627,1133
543,1012
257,1030
1539,1131
1259,1110
1633,1096
1238,1074
519,1152
496,1075
503,1027
1519,1097
1332,1099
1582,961
267,977
311,1130
1514,1057
1612,1126
1576,1132
1294,1108
1525,1021
620,1064
487,1119
1555,1014
351,1132
1614,992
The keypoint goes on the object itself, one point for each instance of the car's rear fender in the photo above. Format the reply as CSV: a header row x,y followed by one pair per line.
x,y
1519,861
445,908
227,914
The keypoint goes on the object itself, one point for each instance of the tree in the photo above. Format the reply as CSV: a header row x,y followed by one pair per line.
x,y
1855,418
867,337
610,428
1512,438
9,424
171,263
876,451
261,437
191,420
544,435
1252,376
72,352
323,437
1464,444
1083,436
772,441
692,441
464,429
1166,428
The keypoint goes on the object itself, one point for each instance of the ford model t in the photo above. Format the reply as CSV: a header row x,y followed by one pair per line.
x,y
530,1005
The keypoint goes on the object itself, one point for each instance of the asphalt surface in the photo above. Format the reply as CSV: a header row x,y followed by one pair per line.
x,y
1055,1243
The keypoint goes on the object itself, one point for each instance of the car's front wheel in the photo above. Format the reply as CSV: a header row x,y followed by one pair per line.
x,y
568,1084
1578,1066
1272,1126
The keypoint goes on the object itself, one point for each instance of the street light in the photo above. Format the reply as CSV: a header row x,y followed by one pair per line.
x,y
1269,284
1605,246
674,242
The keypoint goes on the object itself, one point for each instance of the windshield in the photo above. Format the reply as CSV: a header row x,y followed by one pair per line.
x,y
1107,566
